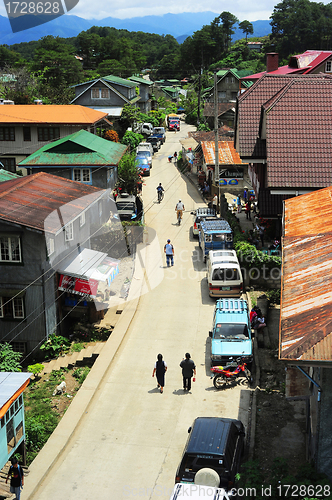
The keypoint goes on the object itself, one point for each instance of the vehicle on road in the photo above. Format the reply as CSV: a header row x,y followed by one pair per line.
x,y
173,122
224,375
214,443
231,332
215,235
160,133
155,142
224,274
202,214
147,154
142,164
126,206
144,146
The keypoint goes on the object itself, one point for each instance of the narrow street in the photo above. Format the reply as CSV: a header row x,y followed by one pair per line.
x,y
129,442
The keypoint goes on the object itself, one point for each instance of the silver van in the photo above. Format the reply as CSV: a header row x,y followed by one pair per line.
x,y
224,274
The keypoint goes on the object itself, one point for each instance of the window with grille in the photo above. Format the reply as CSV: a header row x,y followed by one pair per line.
x,y
9,164
10,249
95,93
48,133
69,232
329,67
104,93
7,133
22,348
82,175
11,308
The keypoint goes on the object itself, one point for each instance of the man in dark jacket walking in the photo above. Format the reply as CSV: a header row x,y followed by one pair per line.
x,y
188,370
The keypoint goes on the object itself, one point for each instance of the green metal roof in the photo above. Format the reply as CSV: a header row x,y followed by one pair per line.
x,y
138,79
119,81
7,176
134,99
170,89
80,148
174,80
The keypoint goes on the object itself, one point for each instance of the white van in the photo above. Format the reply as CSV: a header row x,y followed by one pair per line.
x,y
224,274
144,146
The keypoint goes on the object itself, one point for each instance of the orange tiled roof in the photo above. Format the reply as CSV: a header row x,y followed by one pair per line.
x,y
227,153
50,113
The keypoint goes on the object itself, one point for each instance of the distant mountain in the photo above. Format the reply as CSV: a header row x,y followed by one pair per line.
x,y
178,25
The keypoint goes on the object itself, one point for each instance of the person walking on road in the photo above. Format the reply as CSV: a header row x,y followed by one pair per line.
x,y
160,368
188,370
169,251
16,475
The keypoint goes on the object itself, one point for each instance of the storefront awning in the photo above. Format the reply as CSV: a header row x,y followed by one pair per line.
x,y
81,274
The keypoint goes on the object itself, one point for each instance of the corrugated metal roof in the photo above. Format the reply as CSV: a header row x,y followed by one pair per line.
x,y
45,202
80,148
119,81
11,382
306,305
140,80
50,114
226,152
6,176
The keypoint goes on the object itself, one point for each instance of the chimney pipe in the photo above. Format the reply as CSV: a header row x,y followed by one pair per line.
x,y
272,61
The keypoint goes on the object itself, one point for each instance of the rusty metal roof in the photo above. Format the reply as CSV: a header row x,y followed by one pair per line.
x,y
227,153
45,202
306,283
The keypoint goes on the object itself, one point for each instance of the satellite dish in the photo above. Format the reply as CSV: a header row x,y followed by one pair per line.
x,y
207,477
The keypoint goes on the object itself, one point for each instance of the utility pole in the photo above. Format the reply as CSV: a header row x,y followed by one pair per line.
x,y
216,139
199,99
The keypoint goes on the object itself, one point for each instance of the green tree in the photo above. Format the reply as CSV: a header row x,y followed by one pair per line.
x,y
22,86
128,175
132,139
247,28
228,21
9,359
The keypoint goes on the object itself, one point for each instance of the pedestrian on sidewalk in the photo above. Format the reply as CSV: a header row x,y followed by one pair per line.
x,y
238,202
188,370
169,251
248,210
245,195
16,475
160,368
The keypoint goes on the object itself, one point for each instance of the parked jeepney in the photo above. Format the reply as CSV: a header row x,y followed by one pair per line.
x,y
215,235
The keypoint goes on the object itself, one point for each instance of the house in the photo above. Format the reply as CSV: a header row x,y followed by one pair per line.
x,y
82,157
283,131
232,172
310,62
228,86
257,46
226,114
145,93
12,429
25,128
107,94
305,336
44,221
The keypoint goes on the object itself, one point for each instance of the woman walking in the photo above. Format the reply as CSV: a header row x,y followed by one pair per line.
x,y
160,368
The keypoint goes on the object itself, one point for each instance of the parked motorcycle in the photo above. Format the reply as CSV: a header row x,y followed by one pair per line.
x,y
223,375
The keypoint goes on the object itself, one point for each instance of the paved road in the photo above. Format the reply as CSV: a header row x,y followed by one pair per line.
x,y
129,442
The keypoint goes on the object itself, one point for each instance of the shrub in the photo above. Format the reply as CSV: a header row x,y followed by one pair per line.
x,y
9,359
36,369
55,345
111,135
81,373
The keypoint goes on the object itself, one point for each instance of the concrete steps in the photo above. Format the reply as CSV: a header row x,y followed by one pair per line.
x,y
86,357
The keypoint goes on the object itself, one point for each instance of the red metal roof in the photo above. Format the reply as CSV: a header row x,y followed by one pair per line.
x,y
306,285
40,201
227,153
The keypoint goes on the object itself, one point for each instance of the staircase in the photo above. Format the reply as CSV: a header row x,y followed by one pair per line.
x,y
86,357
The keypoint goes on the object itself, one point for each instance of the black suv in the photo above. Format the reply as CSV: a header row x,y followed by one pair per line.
x,y
214,443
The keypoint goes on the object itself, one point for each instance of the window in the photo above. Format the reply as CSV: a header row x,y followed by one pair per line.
x,y
100,93
48,133
232,79
329,67
69,232
7,134
226,79
19,347
82,219
9,164
222,95
26,134
11,308
10,249
82,175
233,96
50,246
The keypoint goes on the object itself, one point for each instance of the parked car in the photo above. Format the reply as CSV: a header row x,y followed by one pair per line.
x,y
126,206
144,146
231,332
155,141
202,214
160,133
146,128
213,443
224,274
142,163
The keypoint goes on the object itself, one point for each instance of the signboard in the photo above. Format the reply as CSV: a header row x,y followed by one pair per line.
x,y
78,286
